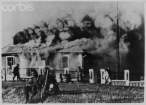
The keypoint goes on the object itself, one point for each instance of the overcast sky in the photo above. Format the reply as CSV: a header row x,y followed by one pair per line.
x,y
17,20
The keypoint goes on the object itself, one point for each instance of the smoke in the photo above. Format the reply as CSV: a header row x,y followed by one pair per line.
x,y
130,21
64,35
104,22
129,17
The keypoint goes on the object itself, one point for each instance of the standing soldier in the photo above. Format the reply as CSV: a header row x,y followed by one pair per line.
x,y
50,85
34,81
16,72
107,76
32,85
61,77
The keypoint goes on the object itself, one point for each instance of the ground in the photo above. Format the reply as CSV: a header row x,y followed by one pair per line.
x,y
77,93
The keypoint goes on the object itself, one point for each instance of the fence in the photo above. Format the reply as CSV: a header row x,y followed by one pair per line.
x,y
118,82
136,83
125,82
7,74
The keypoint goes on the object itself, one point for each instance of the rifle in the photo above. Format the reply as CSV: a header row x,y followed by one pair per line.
x,y
44,87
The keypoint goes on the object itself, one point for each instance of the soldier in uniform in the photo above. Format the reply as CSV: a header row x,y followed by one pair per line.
x,y
50,85
32,85
16,72
107,76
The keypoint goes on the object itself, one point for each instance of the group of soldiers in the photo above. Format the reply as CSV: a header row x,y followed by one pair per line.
x,y
38,83
46,83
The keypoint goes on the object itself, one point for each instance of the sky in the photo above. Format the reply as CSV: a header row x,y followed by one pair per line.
x,y
16,19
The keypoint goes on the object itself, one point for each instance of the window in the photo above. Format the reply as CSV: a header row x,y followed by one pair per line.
x,y
65,61
10,61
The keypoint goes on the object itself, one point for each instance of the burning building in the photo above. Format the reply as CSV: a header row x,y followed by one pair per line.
x,y
98,40
66,57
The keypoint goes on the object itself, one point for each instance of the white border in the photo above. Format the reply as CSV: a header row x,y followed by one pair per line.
x,y
144,1
74,0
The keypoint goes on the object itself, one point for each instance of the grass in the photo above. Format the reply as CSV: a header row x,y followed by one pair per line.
x,y
81,93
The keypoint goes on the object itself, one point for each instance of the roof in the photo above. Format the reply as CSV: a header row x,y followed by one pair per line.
x,y
16,49
73,46
11,49
72,49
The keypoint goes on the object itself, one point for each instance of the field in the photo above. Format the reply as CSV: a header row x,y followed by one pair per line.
x,y
80,93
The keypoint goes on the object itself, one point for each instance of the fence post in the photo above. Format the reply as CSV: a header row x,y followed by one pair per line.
x,y
126,77
58,77
91,76
102,73
66,70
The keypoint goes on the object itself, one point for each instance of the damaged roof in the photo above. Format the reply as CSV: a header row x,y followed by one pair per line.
x,y
11,49
72,49
16,49
73,46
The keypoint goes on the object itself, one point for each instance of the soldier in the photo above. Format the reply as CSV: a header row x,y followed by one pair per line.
x,y
34,81
50,85
107,76
16,72
32,85
61,77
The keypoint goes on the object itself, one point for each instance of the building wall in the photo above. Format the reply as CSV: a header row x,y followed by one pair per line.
x,y
3,67
23,62
74,61
26,64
